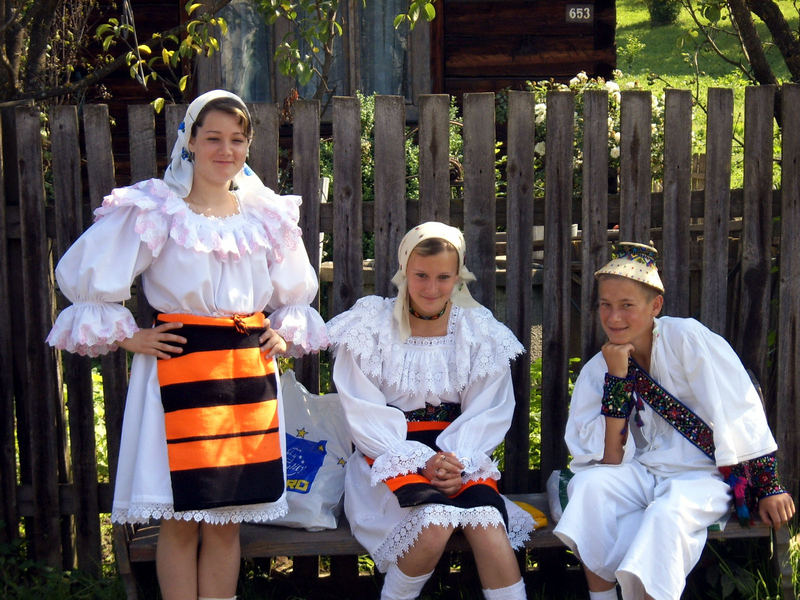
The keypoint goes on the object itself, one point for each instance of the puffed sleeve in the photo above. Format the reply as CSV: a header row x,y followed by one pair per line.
x,y
723,389
378,430
586,425
295,287
95,274
487,406
293,278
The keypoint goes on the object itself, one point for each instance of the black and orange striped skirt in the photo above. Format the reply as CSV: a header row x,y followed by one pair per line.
x,y
221,414
414,489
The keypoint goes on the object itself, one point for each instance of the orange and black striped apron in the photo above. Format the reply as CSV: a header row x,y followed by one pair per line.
x,y
221,414
424,425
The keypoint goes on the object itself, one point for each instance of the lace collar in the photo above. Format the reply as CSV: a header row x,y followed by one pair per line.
x,y
265,220
476,345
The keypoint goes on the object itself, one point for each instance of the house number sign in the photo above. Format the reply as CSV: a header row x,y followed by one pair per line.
x,y
580,13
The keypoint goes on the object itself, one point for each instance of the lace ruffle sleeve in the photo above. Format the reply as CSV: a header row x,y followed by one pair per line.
x,y
96,273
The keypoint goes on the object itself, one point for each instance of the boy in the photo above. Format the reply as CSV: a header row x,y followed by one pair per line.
x,y
654,419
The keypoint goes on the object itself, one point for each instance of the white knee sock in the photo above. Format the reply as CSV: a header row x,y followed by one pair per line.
x,y
399,586
515,591
607,595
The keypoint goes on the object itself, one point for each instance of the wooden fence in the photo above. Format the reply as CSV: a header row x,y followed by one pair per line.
x,y
729,257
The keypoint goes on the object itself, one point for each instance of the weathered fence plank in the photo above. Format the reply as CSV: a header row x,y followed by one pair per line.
x,y
434,153
717,209
753,318
263,155
8,453
519,243
142,142
594,219
557,279
390,214
100,171
40,394
142,136
634,166
173,115
788,359
677,201
77,372
347,227
305,178
479,194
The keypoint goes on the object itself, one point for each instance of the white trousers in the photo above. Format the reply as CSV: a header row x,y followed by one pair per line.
x,y
642,530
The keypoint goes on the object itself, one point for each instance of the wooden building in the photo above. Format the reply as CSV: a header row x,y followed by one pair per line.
x,y
472,45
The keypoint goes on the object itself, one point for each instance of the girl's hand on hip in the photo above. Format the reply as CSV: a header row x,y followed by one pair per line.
x,y
155,341
271,342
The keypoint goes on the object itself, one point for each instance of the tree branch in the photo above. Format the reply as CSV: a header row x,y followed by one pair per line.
x,y
769,12
751,42
96,76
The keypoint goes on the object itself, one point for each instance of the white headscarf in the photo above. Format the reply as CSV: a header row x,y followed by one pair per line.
x,y
460,295
180,170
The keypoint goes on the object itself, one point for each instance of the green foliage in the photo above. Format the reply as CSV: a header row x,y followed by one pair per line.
x,y
23,579
100,436
663,12
196,38
628,52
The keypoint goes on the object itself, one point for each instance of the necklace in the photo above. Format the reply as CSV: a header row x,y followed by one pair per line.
x,y
424,317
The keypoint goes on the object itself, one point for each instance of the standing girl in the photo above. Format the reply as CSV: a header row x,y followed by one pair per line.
x,y
202,436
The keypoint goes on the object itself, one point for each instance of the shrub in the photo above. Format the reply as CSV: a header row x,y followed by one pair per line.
x,y
663,12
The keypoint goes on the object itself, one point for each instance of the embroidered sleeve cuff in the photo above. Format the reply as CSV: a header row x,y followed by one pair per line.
x,y
617,397
764,476
406,457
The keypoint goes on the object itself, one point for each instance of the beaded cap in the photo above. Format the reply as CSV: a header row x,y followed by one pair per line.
x,y
634,261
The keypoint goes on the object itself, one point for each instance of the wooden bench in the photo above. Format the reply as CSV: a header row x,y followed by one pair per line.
x,y
260,541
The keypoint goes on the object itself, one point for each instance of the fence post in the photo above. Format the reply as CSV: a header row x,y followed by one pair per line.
x,y
434,158
594,219
788,385
479,194
634,171
77,369
677,201
753,319
40,391
305,176
519,228
557,281
8,461
391,215
347,209
717,209
263,155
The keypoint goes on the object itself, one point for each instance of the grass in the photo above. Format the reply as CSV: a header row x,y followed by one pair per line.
x,y
653,57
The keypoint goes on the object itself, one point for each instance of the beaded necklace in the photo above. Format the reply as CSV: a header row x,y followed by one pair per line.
x,y
426,318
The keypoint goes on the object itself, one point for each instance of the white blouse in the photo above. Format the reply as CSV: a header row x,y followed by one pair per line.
x,y
248,262
700,369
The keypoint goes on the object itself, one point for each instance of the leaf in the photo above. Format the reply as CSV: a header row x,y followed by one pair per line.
x,y
145,49
182,83
191,8
430,12
165,55
107,42
158,104
398,20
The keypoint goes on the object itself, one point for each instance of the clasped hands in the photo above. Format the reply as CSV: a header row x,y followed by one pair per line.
x,y
158,341
443,469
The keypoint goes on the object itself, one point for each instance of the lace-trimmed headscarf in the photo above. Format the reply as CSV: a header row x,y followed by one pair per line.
x,y
180,170
460,295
